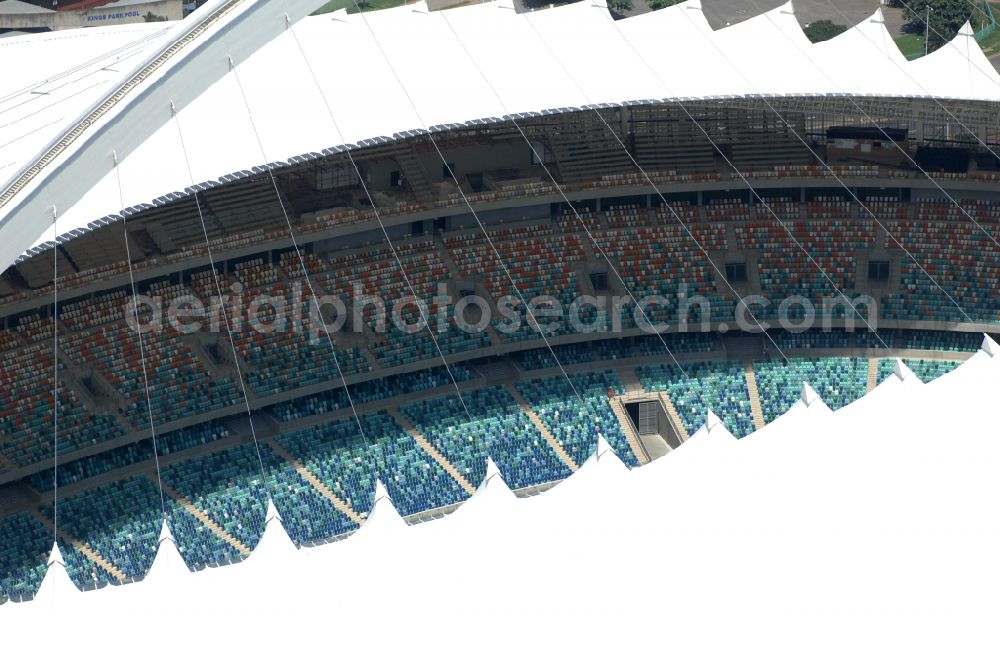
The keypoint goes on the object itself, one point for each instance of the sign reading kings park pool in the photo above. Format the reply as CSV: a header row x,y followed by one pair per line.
x,y
113,16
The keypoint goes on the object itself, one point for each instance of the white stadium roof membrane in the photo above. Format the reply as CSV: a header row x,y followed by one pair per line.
x,y
455,67
865,534
49,78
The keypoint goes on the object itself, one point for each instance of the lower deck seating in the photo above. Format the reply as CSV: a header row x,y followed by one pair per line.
x,y
349,465
102,392
344,461
679,344
925,370
228,486
84,572
809,339
306,514
24,547
120,521
415,481
576,421
961,342
499,429
717,386
198,546
837,381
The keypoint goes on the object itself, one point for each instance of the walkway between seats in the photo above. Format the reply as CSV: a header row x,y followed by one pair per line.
x,y
205,519
755,408
630,434
872,373
92,555
542,428
315,483
427,447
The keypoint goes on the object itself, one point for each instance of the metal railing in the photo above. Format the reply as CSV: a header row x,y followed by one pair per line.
x,y
111,101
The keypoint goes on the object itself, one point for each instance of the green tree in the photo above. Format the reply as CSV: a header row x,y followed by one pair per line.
x,y
355,6
946,18
818,31
660,4
619,7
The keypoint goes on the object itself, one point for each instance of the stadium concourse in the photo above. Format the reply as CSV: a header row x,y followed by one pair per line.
x,y
375,270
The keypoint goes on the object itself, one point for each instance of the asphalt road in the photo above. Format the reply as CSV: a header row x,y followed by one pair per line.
x,y
845,12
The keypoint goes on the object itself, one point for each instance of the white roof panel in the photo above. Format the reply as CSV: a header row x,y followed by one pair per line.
x,y
525,78
558,58
428,63
669,40
587,45
863,60
65,73
959,69
354,78
766,52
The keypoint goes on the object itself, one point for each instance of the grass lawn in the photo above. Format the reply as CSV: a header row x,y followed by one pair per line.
x,y
991,45
458,3
912,46
332,6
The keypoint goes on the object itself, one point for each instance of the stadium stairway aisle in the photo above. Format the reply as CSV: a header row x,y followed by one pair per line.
x,y
91,555
629,432
427,447
872,374
315,482
700,387
755,408
629,378
542,429
675,417
459,275
205,519
632,383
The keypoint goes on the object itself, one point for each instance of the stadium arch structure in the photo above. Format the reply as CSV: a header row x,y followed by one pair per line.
x,y
566,169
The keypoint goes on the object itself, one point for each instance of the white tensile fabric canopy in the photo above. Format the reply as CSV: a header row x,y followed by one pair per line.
x,y
449,67
863,534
